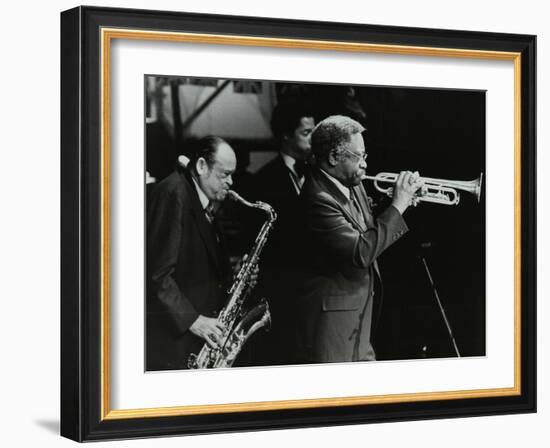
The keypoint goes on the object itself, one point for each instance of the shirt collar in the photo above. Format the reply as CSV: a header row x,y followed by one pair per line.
x,y
289,162
345,190
202,195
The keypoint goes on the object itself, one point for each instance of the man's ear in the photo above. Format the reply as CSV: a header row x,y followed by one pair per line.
x,y
202,166
333,158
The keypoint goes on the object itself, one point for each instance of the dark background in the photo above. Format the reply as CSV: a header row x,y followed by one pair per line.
x,y
440,133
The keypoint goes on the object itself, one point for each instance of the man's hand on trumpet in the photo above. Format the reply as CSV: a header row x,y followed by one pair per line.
x,y
408,187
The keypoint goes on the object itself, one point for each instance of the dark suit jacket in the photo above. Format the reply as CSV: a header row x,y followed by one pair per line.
x,y
187,271
272,184
280,278
337,302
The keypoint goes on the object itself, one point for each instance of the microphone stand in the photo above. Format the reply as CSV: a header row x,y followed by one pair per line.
x,y
437,299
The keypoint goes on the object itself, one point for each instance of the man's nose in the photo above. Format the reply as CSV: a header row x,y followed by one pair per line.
x,y
229,180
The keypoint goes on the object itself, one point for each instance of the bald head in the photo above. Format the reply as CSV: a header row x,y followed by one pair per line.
x,y
213,165
225,155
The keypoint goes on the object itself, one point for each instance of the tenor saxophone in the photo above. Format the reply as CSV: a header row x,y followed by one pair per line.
x,y
240,324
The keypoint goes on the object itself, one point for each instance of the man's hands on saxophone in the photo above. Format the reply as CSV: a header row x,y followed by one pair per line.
x,y
209,329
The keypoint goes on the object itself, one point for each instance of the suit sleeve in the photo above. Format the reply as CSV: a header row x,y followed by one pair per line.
x,y
342,241
165,228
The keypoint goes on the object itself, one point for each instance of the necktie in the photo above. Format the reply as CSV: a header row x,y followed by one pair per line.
x,y
300,168
356,210
209,213
297,175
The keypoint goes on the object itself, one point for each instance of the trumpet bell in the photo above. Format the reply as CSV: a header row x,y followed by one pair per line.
x,y
469,186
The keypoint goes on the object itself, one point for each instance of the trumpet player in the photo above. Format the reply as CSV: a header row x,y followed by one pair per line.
x,y
343,243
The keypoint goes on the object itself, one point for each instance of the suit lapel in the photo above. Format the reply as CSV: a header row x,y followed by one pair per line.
x,y
284,173
205,228
339,198
367,213
361,195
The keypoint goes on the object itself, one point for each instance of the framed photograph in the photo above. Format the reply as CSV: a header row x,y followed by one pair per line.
x,y
276,224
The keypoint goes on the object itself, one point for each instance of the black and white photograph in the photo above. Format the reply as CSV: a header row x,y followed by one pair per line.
x,y
244,224
297,223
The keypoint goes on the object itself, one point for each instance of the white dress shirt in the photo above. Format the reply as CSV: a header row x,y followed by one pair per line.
x,y
345,190
297,181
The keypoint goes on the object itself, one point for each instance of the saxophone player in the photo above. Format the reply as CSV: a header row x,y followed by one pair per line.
x,y
188,270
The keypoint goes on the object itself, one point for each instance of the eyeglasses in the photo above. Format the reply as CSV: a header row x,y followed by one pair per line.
x,y
359,156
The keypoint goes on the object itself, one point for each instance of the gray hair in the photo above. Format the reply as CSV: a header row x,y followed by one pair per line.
x,y
332,135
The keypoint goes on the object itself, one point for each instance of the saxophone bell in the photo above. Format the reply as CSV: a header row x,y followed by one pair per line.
x,y
192,361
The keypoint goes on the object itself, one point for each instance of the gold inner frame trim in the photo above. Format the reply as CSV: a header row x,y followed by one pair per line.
x,y
107,35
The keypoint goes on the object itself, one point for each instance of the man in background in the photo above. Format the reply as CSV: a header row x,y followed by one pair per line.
x,y
279,184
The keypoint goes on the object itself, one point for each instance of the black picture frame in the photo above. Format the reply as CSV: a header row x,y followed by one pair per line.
x,y
84,400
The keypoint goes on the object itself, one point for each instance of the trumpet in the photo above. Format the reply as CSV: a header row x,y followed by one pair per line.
x,y
438,191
